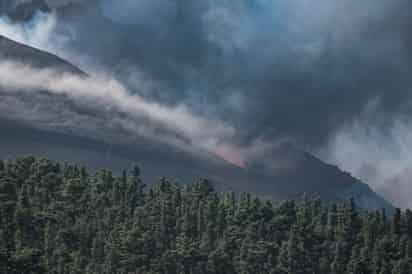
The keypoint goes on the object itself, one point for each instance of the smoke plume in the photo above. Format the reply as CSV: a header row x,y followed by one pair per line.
x,y
236,75
110,100
378,151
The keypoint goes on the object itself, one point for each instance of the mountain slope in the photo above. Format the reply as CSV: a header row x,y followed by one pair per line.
x,y
306,174
310,176
303,173
12,50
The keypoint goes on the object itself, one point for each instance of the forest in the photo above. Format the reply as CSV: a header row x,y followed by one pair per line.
x,y
62,218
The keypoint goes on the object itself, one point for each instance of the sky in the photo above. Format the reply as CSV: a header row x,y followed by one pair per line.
x,y
234,77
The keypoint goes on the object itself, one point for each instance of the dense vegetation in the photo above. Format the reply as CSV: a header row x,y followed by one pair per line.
x,y
57,218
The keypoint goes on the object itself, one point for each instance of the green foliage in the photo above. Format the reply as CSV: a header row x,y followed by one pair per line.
x,y
61,219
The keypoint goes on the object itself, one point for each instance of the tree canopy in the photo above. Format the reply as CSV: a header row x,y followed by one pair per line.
x,y
60,218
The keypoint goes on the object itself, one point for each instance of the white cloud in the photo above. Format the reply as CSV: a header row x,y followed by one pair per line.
x,y
109,99
379,155
36,33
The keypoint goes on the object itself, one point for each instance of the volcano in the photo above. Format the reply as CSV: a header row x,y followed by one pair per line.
x,y
304,173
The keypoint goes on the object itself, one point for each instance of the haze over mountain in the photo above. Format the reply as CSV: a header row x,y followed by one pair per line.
x,y
333,77
283,172
218,136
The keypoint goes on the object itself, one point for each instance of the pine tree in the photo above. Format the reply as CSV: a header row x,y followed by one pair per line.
x,y
338,265
396,222
63,219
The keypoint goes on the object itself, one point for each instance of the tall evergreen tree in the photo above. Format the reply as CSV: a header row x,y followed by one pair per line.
x,y
61,218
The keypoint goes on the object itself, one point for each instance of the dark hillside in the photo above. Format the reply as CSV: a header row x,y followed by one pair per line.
x,y
11,50
303,173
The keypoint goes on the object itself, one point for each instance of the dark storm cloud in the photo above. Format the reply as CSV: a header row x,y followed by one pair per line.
x,y
302,69
300,60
